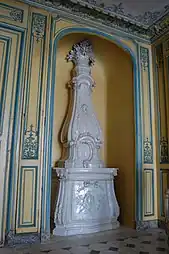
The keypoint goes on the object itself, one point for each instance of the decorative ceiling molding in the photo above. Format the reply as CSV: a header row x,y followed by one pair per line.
x,y
147,18
160,28
90,12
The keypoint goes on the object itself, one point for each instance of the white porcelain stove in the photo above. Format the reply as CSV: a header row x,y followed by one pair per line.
x,y
87,201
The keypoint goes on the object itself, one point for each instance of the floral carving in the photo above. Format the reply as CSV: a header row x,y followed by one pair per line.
x,y
38,26
148,151
144,58
30,147
164,158
17,15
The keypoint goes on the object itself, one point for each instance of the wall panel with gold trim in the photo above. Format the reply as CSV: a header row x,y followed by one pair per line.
x,y
27,197
162,91
24,50
33,123
146,105
12,43
147,197
148,194
162,95
164,185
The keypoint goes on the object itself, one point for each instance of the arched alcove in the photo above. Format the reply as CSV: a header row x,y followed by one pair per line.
x,y
113,99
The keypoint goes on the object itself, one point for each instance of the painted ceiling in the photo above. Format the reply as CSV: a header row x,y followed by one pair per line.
x,y
145,12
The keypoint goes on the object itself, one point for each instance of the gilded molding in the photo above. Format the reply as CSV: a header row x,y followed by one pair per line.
x,y
38,26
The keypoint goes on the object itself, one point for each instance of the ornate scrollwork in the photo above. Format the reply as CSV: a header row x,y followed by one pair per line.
x,y
31,142
148,151
38,26
164,158
17,15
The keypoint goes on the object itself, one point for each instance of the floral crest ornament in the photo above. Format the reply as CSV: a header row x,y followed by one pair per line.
x,y
82,52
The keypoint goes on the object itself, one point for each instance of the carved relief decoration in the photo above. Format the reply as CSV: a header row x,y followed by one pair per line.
x,y
30,146
144,58
38,26
17,15
148,151
89,196
164,156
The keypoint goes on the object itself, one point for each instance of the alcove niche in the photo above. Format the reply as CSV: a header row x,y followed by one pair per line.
x,y
113,99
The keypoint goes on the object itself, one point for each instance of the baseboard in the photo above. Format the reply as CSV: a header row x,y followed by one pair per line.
x,y
13,239
145,225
